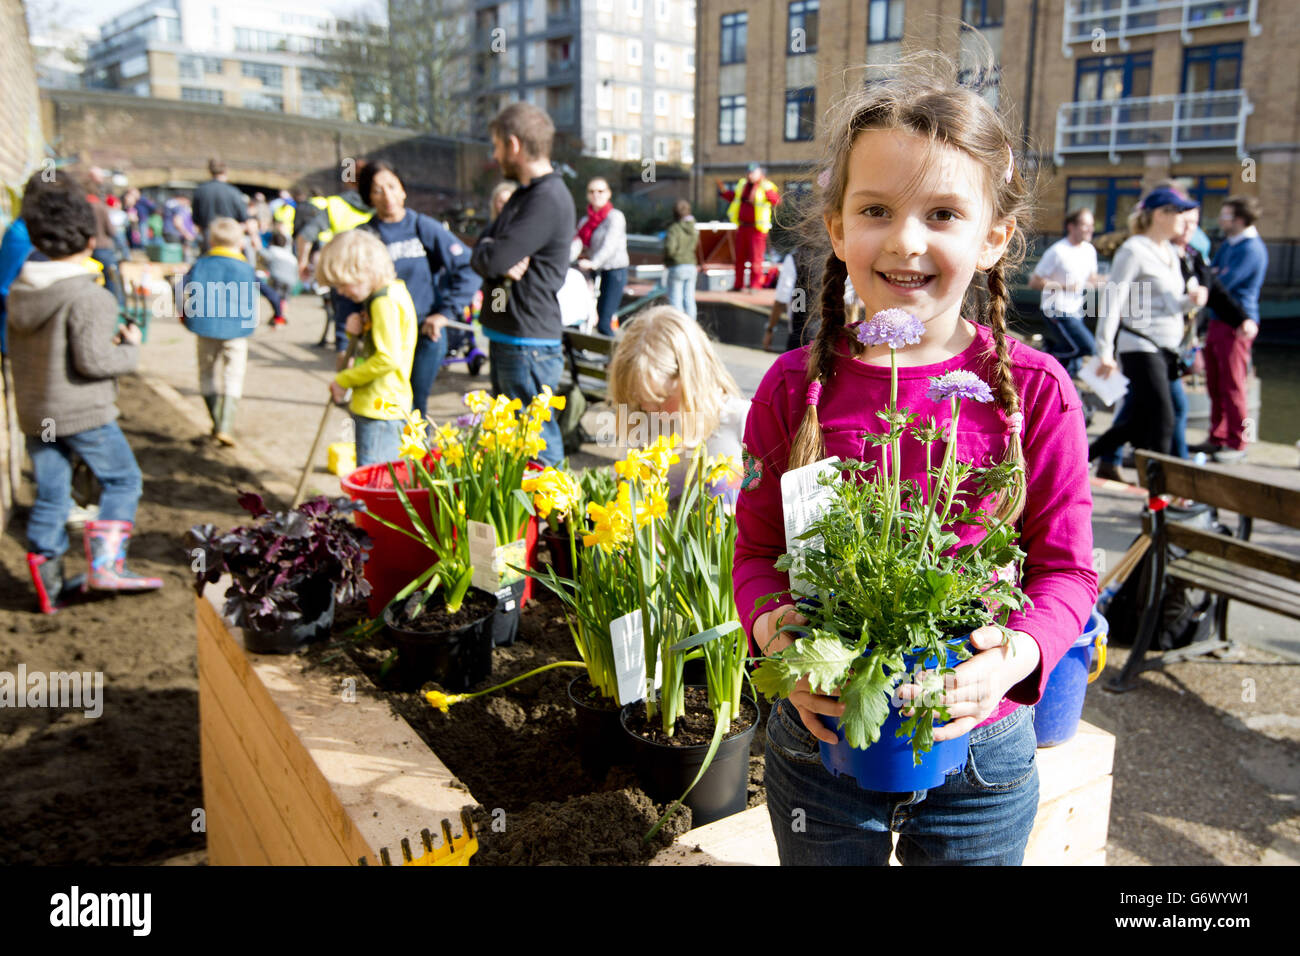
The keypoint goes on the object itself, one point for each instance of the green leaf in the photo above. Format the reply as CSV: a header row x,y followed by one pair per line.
x,y
866,705
822,659
726,627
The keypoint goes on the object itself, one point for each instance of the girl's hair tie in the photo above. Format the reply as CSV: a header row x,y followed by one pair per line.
x,y
1011,163
1014,422
814,393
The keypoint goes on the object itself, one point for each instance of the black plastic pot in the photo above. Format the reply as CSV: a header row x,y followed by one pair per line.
x,y
316,599
456,659
601,740
665,772
505,622
561,559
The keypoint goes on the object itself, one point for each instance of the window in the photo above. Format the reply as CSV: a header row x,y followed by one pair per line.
x,y
263,101
324,107
885,21
1111,200
604,96
270,75
604,145
982,13
634,99
634,8
688,106
135,66
800,114
633,145
1210,192
731,120
734,28
189,68
688,153
212,64
313,81
661,9
690,61
1107,79
634,52
607,6
661,103
604,46
661,150
663,57
194,94
1211,69
802,32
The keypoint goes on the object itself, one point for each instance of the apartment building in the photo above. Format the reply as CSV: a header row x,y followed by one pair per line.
x,y
616,76
1108,95
251,55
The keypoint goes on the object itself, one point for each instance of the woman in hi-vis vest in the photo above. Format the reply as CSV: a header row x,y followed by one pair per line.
x,y
752,199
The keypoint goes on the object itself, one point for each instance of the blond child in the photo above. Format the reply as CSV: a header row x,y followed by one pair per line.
x,y
357,265
665,369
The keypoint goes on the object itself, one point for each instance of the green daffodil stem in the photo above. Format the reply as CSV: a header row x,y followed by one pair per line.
x,y
516,680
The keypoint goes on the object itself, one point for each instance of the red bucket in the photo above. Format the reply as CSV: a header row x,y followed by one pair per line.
x,y
396,560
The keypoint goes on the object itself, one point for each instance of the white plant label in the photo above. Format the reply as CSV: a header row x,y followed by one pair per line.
x,y
803,500
492,563
628,639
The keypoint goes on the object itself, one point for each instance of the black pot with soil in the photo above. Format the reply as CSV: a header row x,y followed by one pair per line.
x,y
453,650
316,601
602,742
667,765
505,622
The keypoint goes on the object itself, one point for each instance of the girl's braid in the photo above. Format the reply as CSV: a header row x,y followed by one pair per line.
x,y
808,445
1004,387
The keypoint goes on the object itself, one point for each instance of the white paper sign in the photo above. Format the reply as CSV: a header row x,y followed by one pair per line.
x,y
1109,389
628,639
803,500
492,563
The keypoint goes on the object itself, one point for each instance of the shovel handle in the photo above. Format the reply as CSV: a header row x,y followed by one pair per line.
x,y
320,432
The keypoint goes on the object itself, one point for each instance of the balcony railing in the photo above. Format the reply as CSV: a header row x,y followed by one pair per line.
x,y
1215,120
1128,18
560,69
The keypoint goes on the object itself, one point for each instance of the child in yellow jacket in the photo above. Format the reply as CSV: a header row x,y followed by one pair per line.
x,y
358,266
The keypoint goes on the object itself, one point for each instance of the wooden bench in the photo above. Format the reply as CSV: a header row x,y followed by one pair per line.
x,y
1226,565
589,374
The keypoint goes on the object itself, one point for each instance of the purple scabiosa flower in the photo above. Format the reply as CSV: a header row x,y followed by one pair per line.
x,y
468,420
961,384
893,327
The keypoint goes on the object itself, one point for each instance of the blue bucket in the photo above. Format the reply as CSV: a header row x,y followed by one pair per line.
x,y
887,765
1056,716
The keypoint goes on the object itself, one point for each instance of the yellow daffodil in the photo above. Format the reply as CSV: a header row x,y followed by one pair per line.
x,y
412,447
612,526
443,701
552,490
453,455
721,469
653,507
478,402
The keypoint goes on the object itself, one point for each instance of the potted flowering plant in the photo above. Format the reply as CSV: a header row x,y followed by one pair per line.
x,y
288,570
888,592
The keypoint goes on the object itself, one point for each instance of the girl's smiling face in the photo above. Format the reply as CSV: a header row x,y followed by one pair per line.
x,y
914,226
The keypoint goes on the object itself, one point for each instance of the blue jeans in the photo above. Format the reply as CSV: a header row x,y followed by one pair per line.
x,y
681,288
982,815
341,309
612,282
106,452
378,440
424,368
1178,448
108,259
520,371
1078,341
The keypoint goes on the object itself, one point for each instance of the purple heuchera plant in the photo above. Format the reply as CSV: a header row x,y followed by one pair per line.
x,y
273,561
959,383
893,327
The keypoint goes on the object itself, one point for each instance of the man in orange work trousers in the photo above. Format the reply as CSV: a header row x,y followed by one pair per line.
x,y
752,199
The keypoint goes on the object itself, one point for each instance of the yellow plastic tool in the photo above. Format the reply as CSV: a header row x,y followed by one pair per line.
x,y
454,850
342,458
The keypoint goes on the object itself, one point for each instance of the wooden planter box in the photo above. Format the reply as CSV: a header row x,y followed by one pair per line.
x,y
296,770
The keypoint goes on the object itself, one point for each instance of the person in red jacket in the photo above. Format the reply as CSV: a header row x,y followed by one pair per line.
x,y
752,200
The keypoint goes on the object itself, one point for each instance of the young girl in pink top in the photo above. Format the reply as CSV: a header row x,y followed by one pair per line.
x,y
919,194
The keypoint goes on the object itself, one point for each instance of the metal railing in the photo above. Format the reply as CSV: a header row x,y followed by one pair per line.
x,y
1129,18
1212,120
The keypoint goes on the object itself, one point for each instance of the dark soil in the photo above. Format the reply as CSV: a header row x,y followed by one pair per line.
x,y
693,728
434,618
123,787
517,751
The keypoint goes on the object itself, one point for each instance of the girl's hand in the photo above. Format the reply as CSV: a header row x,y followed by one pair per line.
x,y
337,393
979,684
808,704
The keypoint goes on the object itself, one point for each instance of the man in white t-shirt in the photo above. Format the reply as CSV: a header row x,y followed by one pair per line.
x,y
1067,269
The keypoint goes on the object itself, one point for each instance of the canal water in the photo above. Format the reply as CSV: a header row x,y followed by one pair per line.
x,y
1278,368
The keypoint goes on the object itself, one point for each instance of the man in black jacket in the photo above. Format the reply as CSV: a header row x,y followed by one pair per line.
x,y
218,199
523,257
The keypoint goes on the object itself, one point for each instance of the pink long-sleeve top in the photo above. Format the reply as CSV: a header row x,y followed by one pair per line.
x,y
1055,528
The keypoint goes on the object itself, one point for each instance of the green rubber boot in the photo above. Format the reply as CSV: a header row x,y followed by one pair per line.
x,y
226,408
212,402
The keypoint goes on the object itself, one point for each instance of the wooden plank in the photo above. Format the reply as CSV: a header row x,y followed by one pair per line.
x,y
1232,549
742,839
289,805
232,840
1072,827
590,343
372,777
1237,584
250,819
1087,756
277,728
1225,489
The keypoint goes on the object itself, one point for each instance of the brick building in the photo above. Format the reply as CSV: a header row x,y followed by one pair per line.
x,y
1109,95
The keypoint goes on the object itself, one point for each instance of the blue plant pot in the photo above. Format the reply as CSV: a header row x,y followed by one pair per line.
x,y
1057,714
887,766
